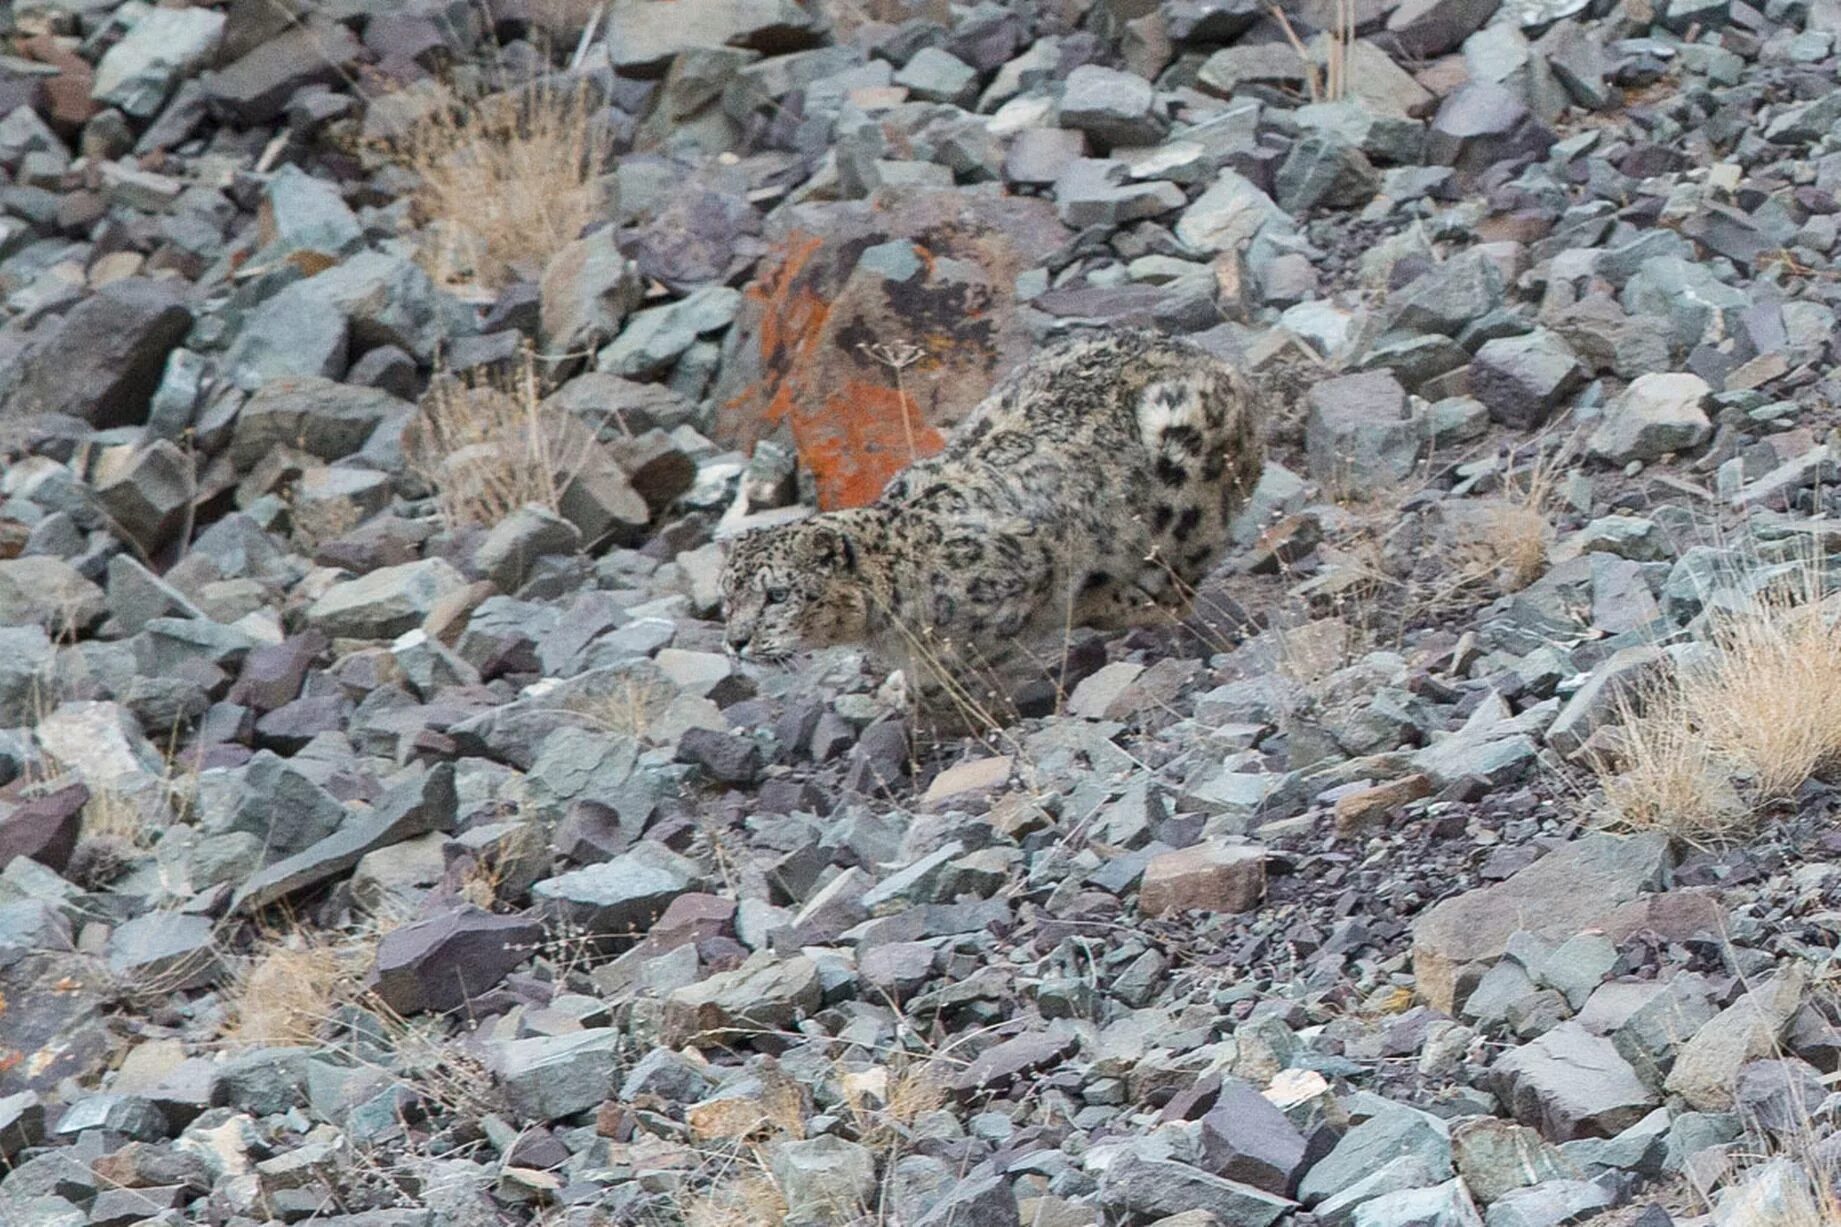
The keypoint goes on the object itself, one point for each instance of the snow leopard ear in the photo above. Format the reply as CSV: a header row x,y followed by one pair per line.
x,y
831,548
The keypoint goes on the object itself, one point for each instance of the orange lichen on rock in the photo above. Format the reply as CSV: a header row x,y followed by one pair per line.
x,y
810,356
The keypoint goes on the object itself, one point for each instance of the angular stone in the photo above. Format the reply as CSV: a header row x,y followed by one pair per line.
x,y
317,416
103,360
149,494
1358,436
1569,1083
439,962
824,1179
1572,888
1213,876
1426,29
1325,170
44,828
1658,414
1706,1069
1229,215
548,1077
1381,1139
1496,1157
1480,124
1447,1205
623,894
1142,1189
420,800
386,602
139,73
515,544
1114,108
167,951
589,287
1524,379
254,88
1245,1137
764,993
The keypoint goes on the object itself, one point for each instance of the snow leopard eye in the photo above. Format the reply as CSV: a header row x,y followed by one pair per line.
x,y
777,596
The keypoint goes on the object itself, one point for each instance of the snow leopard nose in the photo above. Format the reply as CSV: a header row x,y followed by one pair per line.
x,y
738,638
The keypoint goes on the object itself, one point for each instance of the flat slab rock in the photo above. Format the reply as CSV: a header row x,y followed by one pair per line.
x,y
1572,888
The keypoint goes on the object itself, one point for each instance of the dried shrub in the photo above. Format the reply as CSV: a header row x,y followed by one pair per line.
x,y
487,446
507,180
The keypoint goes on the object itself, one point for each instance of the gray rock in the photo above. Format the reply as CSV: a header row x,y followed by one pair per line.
x,y
1424,29
1616,682
1447,298
1447,1205
1570,889
643,40
1325,170
655,338
1569,1083
1245,1137
388,300
1688,295
824,1179
295,333
1228,215
984,1201
25,669
1706,1068
307,213
48,593
1393,1176
262,1081
1358,436
386,602
256,86
575,764
1149,1188
1114,108
1390,1135
1655,416
1479,124
936,75
1496,1157
416,802
103,360
1524,379
622,894
548,1077
139,73
1099,192
588,289
515,543
764,993
22,1123
438,962
317,416
148,494
172,951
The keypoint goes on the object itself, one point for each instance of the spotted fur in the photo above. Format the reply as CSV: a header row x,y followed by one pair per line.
x,y
1093,487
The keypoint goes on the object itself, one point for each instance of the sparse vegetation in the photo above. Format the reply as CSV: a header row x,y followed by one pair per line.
x,y
507,179
1738,727
490,445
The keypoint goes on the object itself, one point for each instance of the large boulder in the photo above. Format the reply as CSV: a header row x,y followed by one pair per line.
x,y
935,270
104,359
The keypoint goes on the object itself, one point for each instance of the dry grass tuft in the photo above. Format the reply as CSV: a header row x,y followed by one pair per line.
x,y
1746,726
489,445
1772,699
288,990
747,1199
507,180
1663,775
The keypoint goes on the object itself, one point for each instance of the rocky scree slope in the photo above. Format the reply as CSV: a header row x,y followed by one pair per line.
x,y
379,849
